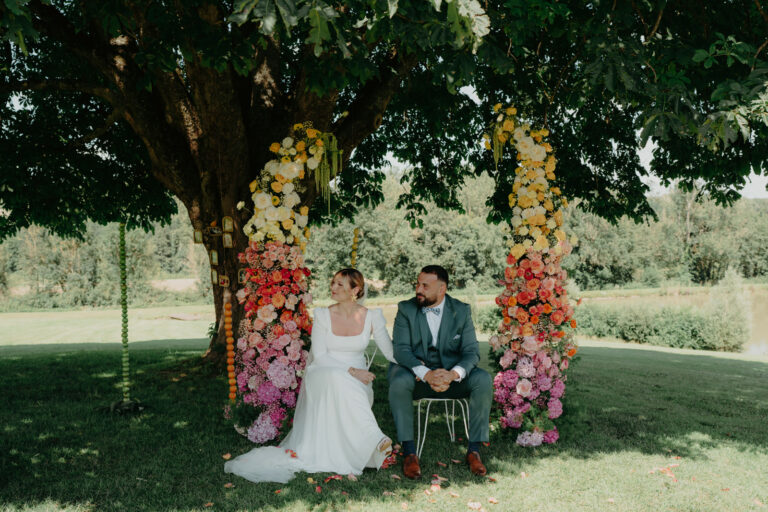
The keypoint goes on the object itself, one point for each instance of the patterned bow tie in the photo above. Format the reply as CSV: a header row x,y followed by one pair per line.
x,y
435,310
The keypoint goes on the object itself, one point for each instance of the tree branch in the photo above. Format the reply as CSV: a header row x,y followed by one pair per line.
x,y
367,110
656,26
98,132
761,11
59,85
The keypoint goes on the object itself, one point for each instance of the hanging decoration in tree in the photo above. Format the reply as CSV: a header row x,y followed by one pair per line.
x,y
534,343
355,241
126,404
273,338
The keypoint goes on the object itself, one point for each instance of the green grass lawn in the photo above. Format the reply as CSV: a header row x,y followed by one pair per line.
x,y
644,429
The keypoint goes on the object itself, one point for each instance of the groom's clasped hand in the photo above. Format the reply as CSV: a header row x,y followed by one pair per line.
x,y
440,379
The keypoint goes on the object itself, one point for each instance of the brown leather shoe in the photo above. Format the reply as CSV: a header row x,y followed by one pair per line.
x,y
411,467
475,464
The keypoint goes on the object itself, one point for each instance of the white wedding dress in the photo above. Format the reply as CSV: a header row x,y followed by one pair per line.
x,y
334,429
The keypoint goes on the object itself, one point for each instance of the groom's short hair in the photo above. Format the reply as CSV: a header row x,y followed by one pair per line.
x,y
437,270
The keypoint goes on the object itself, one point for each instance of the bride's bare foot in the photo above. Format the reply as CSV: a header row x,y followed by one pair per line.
x,y
385,446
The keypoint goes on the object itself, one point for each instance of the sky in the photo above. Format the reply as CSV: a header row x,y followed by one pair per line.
x,y
755,188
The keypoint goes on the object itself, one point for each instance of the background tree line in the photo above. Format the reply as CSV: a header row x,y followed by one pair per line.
x,y
693,241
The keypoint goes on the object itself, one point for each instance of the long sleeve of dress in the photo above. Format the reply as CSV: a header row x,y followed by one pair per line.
x,y
381,336
318,347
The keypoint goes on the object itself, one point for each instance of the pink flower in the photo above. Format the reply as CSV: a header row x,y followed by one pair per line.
x,y
558,389
508,358
530,345
555,408
267,313
268,393
262,430
242,381
249,354
550,436
281,375
543,383
564,364
259,324
525,368
524,387
242,344
241,293
548,283
534,438
290,325
289,398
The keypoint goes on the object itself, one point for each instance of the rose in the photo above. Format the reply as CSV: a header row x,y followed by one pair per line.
x,y
524,387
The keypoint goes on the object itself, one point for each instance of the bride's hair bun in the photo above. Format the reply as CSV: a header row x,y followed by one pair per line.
x,y
355,279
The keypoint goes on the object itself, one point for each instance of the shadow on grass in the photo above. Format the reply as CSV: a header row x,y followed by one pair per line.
x,y
58,447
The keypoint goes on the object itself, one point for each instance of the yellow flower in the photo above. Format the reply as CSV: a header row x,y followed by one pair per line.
x,y
487,144
544,132
541,243
253,186
531,174
280,178
565,203
516,187
298,126
524,202
550,176
497,107
548,147
502,137
301,174
508,125
560,234
306,233
274,147
548,205
558,216
518,170
304,210
556,191
276,186
517,251
512,199
275,200
287,224
285,159
319,142
511,111
312,133
540,196
301,146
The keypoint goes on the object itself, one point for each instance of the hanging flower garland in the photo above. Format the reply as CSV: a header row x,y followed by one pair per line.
x,y
274,336
355,241
534,343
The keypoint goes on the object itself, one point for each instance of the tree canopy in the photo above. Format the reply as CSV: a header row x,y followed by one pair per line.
x,y
109,108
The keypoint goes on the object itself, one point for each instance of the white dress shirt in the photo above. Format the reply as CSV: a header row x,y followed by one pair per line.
x,y
434,321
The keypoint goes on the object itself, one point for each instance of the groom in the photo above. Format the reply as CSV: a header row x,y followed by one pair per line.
x,y
437,354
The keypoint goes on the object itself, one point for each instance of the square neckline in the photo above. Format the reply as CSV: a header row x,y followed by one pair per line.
x,y
330,325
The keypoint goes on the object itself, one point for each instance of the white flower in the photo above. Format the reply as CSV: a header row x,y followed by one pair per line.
x,y
291,200
288,188
271,214
259,222
272,166
551,224
527,243
289,239
539,210
536,232
500,118
538,153
312,163
240,205
248,229
516,221
517,210
283,213
525,145
519,133
522,231
258,236
292,151
287,142
295,230
262,201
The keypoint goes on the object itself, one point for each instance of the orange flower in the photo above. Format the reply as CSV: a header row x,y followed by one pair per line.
x,y
557,317
274,147
312,133
511,301
572,352
547,308
522,316
534,319
301,145
319,142
278,300
507,320
527,330
573,323
533,284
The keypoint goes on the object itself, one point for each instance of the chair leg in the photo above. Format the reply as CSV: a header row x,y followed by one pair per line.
x,y
423,435
449,422
464,414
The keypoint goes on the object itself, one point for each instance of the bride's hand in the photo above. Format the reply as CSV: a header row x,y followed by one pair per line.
x,y
363,376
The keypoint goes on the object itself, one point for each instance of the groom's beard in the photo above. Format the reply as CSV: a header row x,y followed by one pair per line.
x,y
425,302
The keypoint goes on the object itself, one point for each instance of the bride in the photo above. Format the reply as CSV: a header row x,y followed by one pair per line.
x,y
334,429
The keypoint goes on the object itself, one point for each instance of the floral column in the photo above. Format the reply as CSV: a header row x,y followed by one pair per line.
x,y
273,338
534,343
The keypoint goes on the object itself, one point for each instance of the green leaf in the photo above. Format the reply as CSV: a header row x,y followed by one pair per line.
x,y
319,32
700,55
